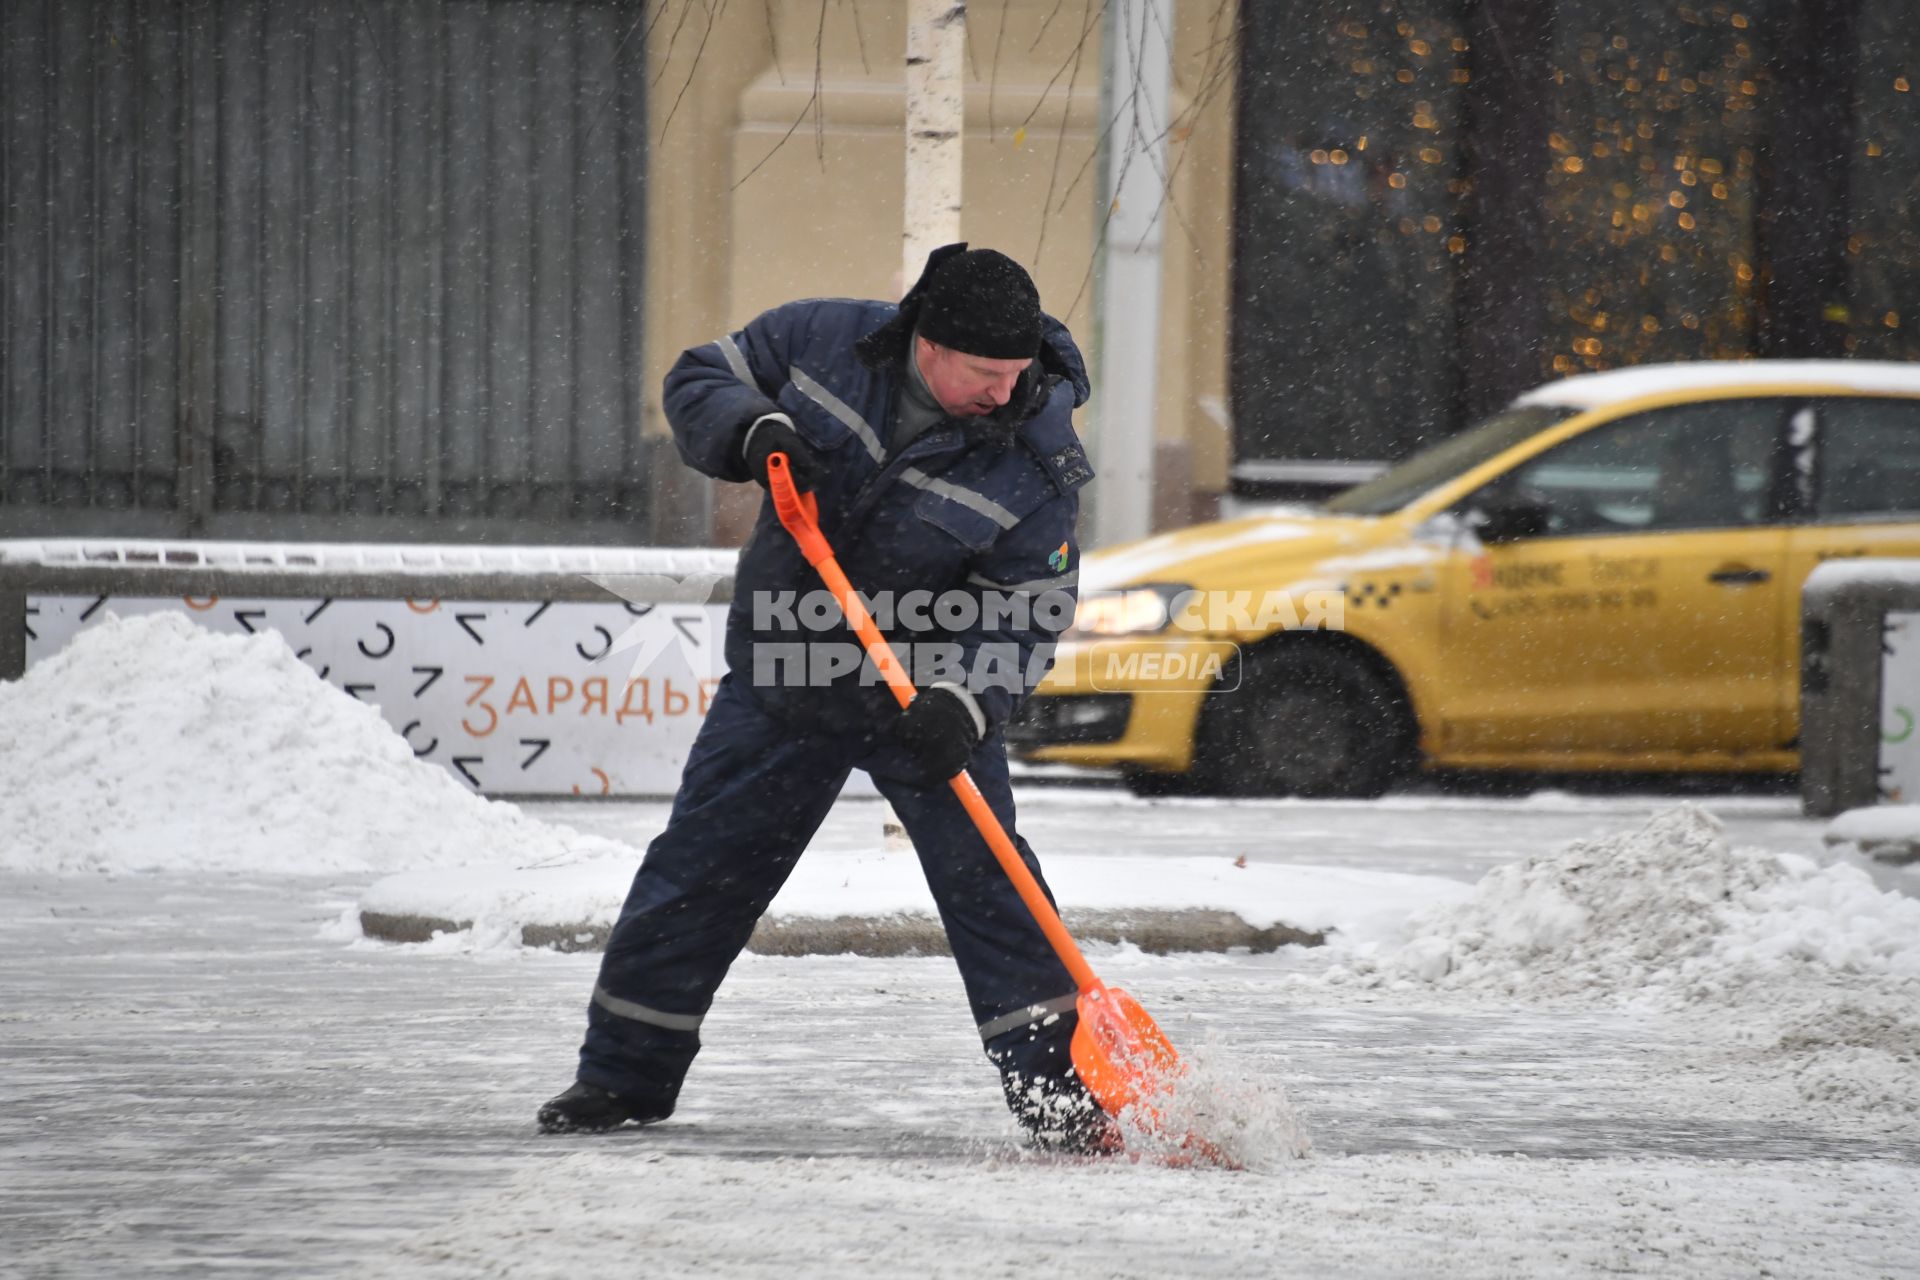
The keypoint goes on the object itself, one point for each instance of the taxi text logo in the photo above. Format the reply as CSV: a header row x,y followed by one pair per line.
x,y
1517,577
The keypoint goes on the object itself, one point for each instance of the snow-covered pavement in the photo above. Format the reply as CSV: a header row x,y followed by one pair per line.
x,y
203,1071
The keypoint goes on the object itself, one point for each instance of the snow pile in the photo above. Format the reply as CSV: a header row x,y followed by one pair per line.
x,y
1890,830
1668,911
150,744
1809,971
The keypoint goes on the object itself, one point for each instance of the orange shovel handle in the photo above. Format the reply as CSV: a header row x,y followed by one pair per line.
x,y
800,514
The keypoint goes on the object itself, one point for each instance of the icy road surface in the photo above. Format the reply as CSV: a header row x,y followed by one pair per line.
x,y
200,1073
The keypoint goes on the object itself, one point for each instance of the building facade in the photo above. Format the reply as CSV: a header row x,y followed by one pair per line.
x,y
414,269
1441,203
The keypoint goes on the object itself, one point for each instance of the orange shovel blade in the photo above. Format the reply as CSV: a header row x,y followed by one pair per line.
x,y
1119,1052
1126,1061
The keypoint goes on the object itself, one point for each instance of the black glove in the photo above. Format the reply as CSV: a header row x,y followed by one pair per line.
x,y
938,731
773,433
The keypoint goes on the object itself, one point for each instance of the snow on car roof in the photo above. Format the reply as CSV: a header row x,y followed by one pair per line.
x,y
1596,390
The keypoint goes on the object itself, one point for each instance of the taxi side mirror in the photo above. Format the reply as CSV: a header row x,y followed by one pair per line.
x,y
1508,519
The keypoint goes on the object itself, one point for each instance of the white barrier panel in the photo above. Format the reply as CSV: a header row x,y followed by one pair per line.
x,y
555,698
535,670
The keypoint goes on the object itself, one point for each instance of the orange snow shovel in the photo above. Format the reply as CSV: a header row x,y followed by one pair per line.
x,y
1120,1054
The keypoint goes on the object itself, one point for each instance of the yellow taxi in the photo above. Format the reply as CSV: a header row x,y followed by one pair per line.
x,y
1605,576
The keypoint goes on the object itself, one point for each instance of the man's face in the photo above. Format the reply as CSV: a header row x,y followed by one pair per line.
x,y
967,386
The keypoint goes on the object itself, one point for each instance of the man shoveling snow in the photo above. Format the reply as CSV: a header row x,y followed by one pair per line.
x,y
937,438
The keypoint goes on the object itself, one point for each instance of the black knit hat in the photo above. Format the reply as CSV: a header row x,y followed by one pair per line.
x,y
979,301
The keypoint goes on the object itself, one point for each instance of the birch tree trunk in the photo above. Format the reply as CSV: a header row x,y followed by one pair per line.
x,y
936,117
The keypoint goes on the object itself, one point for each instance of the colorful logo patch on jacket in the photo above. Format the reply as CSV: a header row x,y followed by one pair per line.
x,y
1058,560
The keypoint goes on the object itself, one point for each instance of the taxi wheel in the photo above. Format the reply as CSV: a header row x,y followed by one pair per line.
x,y
1316,722
1151,785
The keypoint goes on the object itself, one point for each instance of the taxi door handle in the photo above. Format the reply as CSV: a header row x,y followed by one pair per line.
x,y
1738,575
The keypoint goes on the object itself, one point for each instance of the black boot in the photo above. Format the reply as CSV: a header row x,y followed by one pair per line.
x,y
587,1108
1060,1116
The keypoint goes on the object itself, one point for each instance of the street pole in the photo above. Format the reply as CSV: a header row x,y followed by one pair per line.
x,y
1134,90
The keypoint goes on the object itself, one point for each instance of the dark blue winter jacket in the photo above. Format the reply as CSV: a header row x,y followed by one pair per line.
x,y
977,505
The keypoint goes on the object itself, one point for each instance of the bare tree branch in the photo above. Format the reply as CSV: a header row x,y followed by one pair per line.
x,y
1099,141
1216,74
810,104
860,36
673,37
1215,79
973,64
713,16
773,45
1073,60
993,79
1087,20
373,42
606,99
819,82
1045,23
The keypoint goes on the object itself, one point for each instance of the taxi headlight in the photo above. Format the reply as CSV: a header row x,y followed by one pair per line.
x,y
1130,611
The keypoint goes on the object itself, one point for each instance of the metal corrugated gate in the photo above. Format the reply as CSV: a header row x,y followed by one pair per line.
x,y
345,268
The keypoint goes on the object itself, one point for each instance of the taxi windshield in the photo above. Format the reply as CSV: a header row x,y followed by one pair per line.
x,y
1434,466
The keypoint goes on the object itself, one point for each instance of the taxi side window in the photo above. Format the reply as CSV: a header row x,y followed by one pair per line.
x,y
1702,466
1869,453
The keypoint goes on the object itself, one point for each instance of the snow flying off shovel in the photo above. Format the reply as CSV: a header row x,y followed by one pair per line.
x,y
1120,1054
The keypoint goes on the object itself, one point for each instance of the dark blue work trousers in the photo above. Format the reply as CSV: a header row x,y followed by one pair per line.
x,y
754,792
